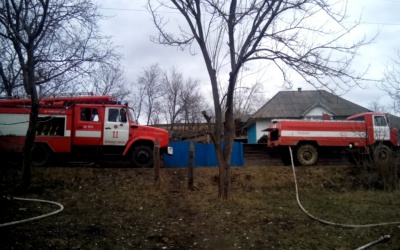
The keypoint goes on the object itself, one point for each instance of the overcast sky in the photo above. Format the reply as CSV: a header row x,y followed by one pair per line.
x,y
130,26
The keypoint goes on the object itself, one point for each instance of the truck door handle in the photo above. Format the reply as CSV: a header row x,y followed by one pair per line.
x,y
108,128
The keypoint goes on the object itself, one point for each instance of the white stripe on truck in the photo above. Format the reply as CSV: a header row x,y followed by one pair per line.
x,y
333,134
92,134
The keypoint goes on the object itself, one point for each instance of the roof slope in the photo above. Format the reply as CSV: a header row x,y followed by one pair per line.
x,y
295,104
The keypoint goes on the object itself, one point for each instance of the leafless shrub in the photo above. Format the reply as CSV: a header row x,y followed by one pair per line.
x,y
370,174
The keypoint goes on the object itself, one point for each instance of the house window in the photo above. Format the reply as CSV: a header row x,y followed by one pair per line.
x,y
313,118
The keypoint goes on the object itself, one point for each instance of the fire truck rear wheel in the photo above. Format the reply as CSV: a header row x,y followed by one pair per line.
x,y
382,154
307,155
142,157
40,155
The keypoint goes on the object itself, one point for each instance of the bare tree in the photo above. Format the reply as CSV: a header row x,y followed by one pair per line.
x,y
285,32
10,73
248,99
109,79
166,96
376,106
150,86
192,102
249,95
157,110
173,84
182,99
138,95
391,82
50,39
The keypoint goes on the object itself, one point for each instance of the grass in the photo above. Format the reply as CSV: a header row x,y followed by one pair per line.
x,y
121,208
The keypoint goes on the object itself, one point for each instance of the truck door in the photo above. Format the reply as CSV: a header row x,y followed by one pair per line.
x,y
381,128
116,127
87,127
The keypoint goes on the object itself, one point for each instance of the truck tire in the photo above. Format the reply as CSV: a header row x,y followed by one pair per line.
x,y
307,155
142,157
40,155
382,154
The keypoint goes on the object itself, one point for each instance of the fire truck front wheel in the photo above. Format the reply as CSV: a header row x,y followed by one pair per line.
x,y
307,155
40,155
382,154
142,157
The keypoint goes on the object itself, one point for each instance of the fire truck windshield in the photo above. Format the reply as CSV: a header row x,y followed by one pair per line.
x,y
131,115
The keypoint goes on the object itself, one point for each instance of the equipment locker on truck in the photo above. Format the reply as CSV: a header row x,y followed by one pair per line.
x,y
90,125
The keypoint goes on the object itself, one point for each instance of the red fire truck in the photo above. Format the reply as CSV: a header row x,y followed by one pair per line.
x,y
91,125
362,134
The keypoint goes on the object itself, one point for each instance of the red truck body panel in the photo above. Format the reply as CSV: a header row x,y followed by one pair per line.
x,y
72,123
325,133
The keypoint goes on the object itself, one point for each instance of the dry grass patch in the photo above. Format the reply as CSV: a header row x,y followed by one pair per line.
x,y
121,208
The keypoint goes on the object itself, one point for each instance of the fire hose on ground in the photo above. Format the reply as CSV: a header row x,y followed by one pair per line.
x,y
61,208
381,239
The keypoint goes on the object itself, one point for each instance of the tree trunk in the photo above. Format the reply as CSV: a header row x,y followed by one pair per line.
x,y
225,181
221,170
28,145
224,167
229,136
30,88
225,162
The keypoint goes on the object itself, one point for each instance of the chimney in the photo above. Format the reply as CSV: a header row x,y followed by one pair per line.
x,y
299,89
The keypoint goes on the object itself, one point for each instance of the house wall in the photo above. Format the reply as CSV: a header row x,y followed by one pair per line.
x,y
260,125
252,133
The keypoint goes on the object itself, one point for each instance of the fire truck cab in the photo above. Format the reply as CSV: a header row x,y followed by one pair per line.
x,y
80,125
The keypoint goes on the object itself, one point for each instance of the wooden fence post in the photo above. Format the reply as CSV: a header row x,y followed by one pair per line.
x,y
191,167
156,162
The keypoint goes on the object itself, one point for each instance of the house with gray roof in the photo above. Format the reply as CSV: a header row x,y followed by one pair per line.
x,y
300,104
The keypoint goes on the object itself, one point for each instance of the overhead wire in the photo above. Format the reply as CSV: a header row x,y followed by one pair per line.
x,y
176,12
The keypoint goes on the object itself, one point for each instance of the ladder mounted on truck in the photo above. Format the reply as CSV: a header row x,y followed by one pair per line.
x,y
60,101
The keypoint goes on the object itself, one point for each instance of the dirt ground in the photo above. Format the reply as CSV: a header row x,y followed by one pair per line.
x,y
107,207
